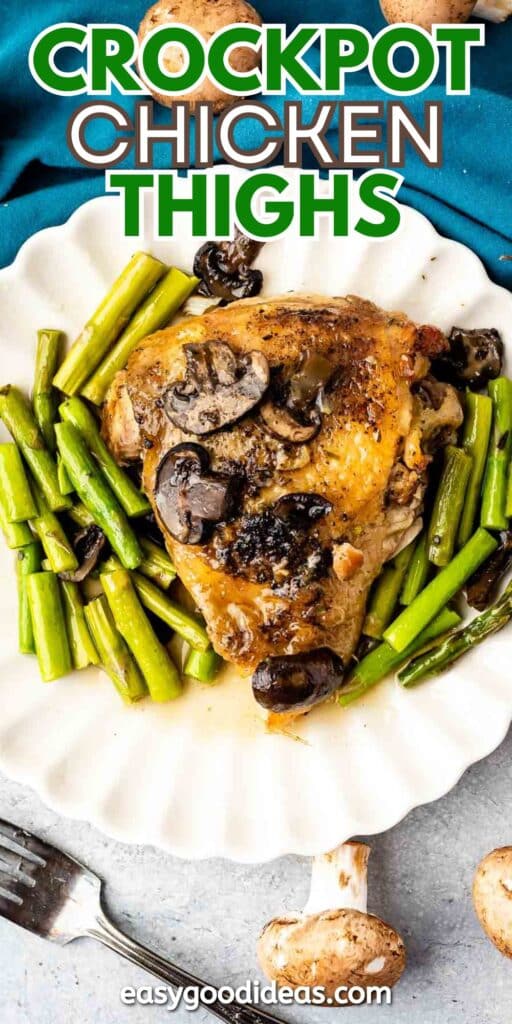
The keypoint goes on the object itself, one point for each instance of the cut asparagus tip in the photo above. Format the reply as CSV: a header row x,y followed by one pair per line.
x,y
339,880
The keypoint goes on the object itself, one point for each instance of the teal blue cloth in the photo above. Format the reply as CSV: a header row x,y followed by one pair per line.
x,y
469,198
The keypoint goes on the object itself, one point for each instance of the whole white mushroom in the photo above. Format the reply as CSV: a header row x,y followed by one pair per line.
x,y
206,17
334,942
427,12
492,897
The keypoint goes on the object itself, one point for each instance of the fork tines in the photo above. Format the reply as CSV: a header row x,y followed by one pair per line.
x,y
20,857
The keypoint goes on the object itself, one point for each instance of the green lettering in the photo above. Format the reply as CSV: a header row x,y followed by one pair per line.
x,y
425,65
283,209
219,68
459,39
372,192
131,185
353,55
151,53
283,59
42,58
169,204
107,66
337,204
222,205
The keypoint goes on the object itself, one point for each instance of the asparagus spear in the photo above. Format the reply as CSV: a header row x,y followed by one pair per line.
x,y
203,665
385,594
17,535
83,651
19,420
96,495
495,481
186,625
49,627
159,604
111,317
156,564
439,591
57,548
448,505
475,441
27,562
18,500
65,485
450,650
383,660
161,675
74,411
79,514
116,659
418,571
44,398
169,294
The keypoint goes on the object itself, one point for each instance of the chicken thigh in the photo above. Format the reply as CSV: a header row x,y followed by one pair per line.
x,y
285,446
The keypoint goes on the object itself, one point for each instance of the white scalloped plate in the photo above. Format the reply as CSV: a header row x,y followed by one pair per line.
x,y
201,777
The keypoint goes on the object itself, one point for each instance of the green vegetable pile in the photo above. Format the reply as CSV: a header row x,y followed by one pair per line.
x,y
59,482
57,476
471,507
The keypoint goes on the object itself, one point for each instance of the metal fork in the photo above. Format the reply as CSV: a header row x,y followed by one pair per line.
x,y
51,894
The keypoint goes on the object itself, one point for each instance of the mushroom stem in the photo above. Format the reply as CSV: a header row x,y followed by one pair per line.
x,y
493,10
339,880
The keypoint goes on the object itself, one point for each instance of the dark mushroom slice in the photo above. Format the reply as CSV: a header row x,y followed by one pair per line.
x,y
282,424
302,508
191,499
474,358
309,380
225,271
88,545
482,587
297,681
219,387
294,413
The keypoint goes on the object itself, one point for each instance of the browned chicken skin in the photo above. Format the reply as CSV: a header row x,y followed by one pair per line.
x,y
289,576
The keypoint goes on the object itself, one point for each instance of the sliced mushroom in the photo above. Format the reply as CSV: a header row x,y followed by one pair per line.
x,y
305,385
293,414
224,269
88,545
302,508
482,587
297,681
219,387
281,423
475,357
191,499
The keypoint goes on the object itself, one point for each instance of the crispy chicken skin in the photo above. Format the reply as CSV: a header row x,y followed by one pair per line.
x,y
266,590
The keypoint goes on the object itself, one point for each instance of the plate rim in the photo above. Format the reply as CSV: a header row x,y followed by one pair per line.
x,y
227,847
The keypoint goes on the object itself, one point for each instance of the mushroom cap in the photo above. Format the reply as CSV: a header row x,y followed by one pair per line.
x,y
218,388
426,13
337,947
206,17
492,897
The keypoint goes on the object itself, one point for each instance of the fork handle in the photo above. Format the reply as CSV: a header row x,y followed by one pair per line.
x,y
234,1013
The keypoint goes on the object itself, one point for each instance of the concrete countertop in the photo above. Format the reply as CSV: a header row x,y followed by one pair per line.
x,y
206,915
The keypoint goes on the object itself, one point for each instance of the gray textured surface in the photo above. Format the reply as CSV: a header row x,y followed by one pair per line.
x,y
207,915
